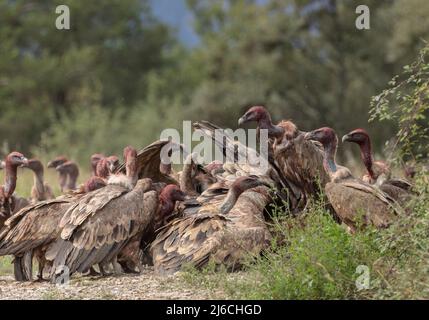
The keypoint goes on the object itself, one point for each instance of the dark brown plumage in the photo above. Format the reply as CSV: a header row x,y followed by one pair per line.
x,y
30,231
131,256
353,200
379,172
102,223
226,229
296,159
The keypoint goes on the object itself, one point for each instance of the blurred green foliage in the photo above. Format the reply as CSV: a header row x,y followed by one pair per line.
x,y
119,77
406,102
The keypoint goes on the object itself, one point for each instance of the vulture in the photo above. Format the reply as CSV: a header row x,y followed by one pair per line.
x,y
62,177
95,158
40,190
194,179
9,203
378,172
154,162
352,199
149,160
70,170
298,160
106,166
100,225
226,227
29,232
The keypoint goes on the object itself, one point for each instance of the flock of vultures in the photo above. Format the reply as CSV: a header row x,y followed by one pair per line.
x,y
142,211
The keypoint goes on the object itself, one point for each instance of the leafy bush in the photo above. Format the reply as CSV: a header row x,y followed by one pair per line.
x,y
406,102
320,260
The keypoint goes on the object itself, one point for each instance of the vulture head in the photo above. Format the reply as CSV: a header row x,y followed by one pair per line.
x,y
239,186
95,158
15,160
358,136
326,136
57,161
12,162
113,163
168,197
361,138
256,114
106,166
173,193
34,165
68,167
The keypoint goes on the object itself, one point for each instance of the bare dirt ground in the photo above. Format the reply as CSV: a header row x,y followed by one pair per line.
x,y
146,285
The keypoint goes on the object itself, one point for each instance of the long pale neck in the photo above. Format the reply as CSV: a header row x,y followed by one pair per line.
x,y
273,130
366,154
229,202
186,184
38,182
131,171
10,180
329,158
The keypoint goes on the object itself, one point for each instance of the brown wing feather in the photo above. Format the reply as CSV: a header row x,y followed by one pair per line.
x,y
88,205
301,162
33,226
149,160
352,200
207,235
96,233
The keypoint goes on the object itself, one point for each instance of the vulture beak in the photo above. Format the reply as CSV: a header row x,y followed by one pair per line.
x,y
242,120
264,181
50,164
309,135
113,166
2,165
345,138
24,161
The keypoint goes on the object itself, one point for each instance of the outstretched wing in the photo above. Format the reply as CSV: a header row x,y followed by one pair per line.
x,y
149,161
235,152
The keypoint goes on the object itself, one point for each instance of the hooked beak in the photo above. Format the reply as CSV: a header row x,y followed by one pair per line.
x,y
309,135
2,165
345,138
242,120
113,166
50,164
24,161
266,182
